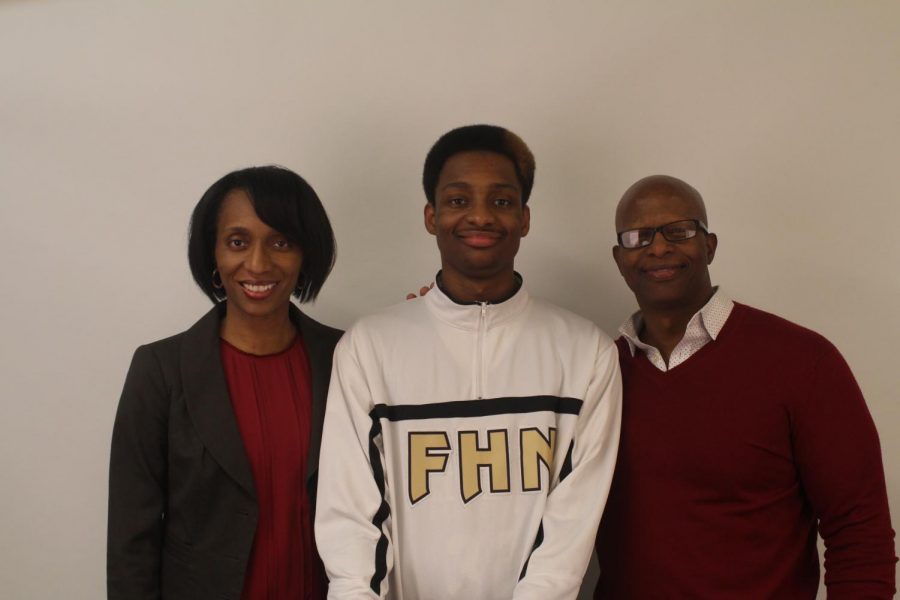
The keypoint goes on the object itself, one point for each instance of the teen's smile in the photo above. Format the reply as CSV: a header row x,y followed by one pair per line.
x,y
480,238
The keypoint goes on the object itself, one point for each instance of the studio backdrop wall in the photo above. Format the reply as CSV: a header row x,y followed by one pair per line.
x,y
116,115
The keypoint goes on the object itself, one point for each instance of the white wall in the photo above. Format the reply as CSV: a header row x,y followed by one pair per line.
x,y
115,116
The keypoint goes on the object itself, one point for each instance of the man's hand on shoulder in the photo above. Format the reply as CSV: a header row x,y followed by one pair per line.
x,y
422,291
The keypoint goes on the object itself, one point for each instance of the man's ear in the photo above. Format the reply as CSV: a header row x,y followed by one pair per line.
x,y
616,250
429,218
712,242
526,220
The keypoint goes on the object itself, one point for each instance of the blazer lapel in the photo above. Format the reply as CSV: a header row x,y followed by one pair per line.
x,y
319,348
207,399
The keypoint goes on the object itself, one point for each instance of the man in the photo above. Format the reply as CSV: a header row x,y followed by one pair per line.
x,y
741,431
469,433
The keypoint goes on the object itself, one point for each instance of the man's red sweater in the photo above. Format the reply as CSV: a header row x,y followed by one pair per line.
x,y
728,461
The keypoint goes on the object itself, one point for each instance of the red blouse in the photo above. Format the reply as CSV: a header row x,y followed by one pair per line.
x,y
272,401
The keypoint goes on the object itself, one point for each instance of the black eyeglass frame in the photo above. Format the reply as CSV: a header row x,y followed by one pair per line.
x,y
698,224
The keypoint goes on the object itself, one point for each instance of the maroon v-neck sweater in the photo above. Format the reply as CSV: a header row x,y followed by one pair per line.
x,y
728,460
273,405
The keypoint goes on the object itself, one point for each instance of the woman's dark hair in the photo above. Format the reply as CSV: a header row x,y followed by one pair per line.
x,y
283,201
487,138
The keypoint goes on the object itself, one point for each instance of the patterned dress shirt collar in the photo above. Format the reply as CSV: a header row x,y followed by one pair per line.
x,y
703,328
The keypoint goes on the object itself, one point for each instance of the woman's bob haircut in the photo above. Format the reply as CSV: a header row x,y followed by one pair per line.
x,y
283,201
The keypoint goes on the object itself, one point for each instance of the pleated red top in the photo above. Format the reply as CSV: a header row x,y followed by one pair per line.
x,y
272,401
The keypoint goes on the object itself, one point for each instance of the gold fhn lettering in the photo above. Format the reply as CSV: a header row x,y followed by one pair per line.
x,y
536,449
427,454
472,458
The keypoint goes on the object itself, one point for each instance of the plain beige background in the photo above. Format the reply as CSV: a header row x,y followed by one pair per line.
x,y
115,116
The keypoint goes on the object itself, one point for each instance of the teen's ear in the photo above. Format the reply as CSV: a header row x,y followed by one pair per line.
x,y
429,218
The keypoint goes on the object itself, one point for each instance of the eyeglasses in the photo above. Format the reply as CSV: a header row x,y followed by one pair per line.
x,y
677,231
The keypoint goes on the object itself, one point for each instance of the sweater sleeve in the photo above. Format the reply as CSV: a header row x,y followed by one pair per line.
x,y
572,514
137,483
351,533
839,459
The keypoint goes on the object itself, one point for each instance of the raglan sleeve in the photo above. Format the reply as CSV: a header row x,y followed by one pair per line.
x,y
572,514
838,456
351,515
137,483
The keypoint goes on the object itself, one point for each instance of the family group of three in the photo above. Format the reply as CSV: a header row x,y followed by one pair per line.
x,y
468,444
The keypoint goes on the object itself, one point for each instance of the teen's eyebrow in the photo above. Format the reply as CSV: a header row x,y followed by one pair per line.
x,y
465,185
457,184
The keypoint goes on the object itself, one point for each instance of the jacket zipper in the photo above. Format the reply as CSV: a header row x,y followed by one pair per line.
x,y
479,367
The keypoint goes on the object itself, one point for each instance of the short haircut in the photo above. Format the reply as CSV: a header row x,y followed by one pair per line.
x,y
283,201
474,138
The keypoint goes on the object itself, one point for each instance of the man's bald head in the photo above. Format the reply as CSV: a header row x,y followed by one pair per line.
x,y
660,186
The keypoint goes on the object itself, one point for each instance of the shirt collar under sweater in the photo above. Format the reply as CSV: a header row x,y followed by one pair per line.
x,y
472,315
703,328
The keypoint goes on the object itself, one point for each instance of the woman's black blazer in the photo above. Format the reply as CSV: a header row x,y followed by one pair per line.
x,y
182,505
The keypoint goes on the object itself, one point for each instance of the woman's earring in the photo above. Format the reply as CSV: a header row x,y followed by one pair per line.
x,y
217,279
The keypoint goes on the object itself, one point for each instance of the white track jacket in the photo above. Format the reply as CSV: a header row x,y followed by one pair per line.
x,y
467,451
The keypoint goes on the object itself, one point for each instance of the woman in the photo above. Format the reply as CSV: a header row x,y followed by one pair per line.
x,y
216,440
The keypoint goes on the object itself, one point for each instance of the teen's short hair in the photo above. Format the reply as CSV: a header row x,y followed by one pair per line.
x,y
488,138
283,201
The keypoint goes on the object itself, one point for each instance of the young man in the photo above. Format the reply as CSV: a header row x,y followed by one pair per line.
x,y
741,432
470,435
